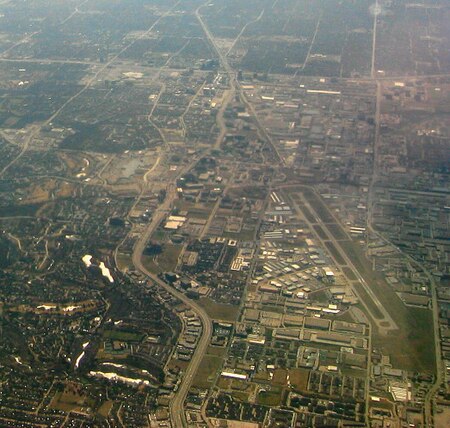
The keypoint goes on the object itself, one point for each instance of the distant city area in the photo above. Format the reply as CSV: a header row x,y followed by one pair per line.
x,y
224,213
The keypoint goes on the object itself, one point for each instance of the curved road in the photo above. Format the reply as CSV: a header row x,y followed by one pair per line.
x,y
177,404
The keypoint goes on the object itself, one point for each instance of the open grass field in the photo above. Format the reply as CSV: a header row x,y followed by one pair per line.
x,y
216,351
318,229
177,364
349,273
320,296
243,235
168,260
345,316
219,311
306,212
71,398
335,253
124,262
355,253
64,403
270,398
240,396
207,371
200,212
105,409
280,377
412,346
224,383
440,418
362,293
150,265
46,190
299,379
337,231
122,335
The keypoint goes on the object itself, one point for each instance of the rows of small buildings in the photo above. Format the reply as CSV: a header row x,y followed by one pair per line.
x,y
321,127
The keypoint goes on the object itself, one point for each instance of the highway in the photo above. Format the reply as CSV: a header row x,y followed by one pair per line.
x,y
34,132
235,88
376,11
429,398
176,406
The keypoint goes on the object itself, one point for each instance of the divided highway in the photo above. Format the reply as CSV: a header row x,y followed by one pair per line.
x,y
176,408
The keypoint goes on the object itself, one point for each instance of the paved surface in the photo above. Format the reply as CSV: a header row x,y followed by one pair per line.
x,y
384,324
177,404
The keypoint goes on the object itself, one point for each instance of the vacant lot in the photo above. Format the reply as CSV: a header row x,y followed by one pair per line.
x,y
299,379
207,371
218,311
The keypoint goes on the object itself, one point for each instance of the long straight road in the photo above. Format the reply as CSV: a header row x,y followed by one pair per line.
x,y
235,88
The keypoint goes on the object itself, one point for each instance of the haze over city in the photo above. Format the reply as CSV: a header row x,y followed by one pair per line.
x,y
224,213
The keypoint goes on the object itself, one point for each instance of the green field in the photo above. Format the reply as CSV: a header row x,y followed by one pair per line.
x,y
336,231
299,379
412,346
207,371
320,232
168,260
243,235
124,262
270,398
368,301
216,351
219,311
150,264
124,336
335,253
